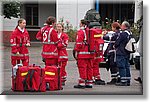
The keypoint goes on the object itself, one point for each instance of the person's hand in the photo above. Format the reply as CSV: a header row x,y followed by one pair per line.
x,y
28,44
17,53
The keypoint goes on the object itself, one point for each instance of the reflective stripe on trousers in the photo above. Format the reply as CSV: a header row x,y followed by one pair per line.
x,y
63,56
81,82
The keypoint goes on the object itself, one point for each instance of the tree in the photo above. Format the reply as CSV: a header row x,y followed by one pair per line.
x,y
11,9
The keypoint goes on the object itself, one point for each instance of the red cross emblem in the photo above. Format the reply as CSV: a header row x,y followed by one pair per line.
x,y
44,36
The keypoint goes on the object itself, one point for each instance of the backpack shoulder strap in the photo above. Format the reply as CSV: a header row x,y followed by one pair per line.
x,y
85,38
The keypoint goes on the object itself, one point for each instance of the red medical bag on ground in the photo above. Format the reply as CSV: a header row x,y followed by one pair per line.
x,y
29,78
53,78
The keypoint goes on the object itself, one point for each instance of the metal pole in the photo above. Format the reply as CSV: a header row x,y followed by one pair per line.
x,y
97,5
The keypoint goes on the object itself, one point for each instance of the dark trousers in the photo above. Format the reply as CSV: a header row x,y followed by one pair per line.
x,y
124,68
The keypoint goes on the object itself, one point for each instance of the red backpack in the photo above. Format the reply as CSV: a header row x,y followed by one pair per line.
x,y
53,78
29,78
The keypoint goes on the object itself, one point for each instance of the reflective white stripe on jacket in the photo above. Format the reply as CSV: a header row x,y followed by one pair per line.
x,y
63,56
19,55
84,53
49,53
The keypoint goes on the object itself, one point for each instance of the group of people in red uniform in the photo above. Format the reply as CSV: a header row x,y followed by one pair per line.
x,y
54,51
54,45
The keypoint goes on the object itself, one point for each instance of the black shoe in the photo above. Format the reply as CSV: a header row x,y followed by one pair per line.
x,y
112,82
79,86
138,79
88,86
99,82
122,84
128,84
118,80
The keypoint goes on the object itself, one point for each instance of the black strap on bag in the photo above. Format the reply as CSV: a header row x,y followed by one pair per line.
x,y
59,88
31,77
41,79
25,85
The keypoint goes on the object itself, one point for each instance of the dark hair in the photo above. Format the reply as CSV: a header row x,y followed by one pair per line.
x,y
50,20
20,21
116,25
83,22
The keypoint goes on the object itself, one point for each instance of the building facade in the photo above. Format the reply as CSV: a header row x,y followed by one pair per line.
x,y
73,11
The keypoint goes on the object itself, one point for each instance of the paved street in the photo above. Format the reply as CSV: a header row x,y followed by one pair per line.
x,y
35,58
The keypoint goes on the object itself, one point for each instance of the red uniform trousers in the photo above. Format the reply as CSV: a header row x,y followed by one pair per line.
x,y
51,61
15,61
96,71
62,65
85,71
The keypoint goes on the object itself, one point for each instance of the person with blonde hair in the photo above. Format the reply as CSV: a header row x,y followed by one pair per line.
x,y
62,52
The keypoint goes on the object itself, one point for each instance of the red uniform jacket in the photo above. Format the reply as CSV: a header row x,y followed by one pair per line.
x,y
81,45
62,45
50,39
18,41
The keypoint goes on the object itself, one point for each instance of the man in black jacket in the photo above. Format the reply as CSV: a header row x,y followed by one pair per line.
x,y
122,55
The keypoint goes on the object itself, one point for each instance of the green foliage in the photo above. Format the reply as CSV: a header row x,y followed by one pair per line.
x,y
11,9
135,33
106,24
72,34
137,28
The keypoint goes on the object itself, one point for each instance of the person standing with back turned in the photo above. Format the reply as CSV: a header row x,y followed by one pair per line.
x,y
84,58
48,36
